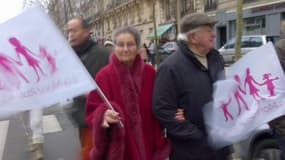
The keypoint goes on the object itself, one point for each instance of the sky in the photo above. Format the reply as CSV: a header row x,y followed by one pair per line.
x,y
9,9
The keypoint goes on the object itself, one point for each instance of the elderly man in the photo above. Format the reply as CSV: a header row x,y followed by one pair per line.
x,y
185,79
278,124
93,56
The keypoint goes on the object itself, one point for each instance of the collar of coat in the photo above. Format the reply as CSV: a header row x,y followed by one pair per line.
x,y
126,74
82,49
189,54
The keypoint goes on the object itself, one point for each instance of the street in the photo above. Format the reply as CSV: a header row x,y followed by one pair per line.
x,y
61,137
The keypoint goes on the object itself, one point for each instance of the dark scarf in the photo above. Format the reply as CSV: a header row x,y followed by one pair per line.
x,y
82,49
130,83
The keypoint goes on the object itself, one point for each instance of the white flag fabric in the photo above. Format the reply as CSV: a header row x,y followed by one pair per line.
x,y
38,68
252,95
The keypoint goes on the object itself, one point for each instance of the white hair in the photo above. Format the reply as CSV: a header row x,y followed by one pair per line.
x,y
183,36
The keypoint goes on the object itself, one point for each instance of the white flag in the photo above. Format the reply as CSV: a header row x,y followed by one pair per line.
x,y
38,68
252,95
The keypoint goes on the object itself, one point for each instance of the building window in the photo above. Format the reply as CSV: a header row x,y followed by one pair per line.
x,y
118,2
108,25
139,14
254,25
150,30
132,16
114,23
126,18
251,26
248,1
210,5
167,10
119,22
187,6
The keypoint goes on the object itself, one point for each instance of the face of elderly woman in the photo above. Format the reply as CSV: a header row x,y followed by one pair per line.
x,y
126,48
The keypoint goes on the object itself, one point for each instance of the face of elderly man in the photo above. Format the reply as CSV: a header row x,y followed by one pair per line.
x,y
203,38
77,34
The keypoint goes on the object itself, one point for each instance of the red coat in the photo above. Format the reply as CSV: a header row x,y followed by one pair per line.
x,y
130,93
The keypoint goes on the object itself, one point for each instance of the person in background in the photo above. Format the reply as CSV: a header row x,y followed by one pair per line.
x,y
109,45
147,52
278,124
152,49
33,123
143,53
127,82
185,80
93,57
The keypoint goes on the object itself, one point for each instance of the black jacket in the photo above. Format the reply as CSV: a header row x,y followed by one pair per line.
x,y
278,124
182,81
94,57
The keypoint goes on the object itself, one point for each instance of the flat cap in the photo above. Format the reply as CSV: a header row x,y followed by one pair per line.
x,y
192,21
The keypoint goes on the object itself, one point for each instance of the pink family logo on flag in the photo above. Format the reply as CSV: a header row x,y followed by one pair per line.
x,y
38,68
251,96
12,67
249,87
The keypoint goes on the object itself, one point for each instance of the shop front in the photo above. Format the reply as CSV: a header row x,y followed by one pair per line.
x,y
165,32
258,20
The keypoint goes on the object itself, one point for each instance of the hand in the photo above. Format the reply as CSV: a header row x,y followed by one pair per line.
x,y
179,115
110,117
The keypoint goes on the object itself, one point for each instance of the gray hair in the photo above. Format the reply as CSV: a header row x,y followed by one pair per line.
x,y
183,36
130,30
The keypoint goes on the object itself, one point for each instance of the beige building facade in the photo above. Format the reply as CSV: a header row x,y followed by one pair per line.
x,y
138,13
260,16
111,15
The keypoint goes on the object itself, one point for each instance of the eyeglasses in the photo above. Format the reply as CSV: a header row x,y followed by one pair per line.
x,y
128,44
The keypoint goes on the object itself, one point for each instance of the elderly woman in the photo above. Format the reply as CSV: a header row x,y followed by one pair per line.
x,y
127,82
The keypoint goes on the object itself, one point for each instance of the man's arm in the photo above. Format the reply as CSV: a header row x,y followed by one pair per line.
x,y
165,105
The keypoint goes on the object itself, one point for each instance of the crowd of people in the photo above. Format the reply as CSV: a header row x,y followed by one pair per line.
x,y
157,114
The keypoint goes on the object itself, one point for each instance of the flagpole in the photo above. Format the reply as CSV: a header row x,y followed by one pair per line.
x,y
101,94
